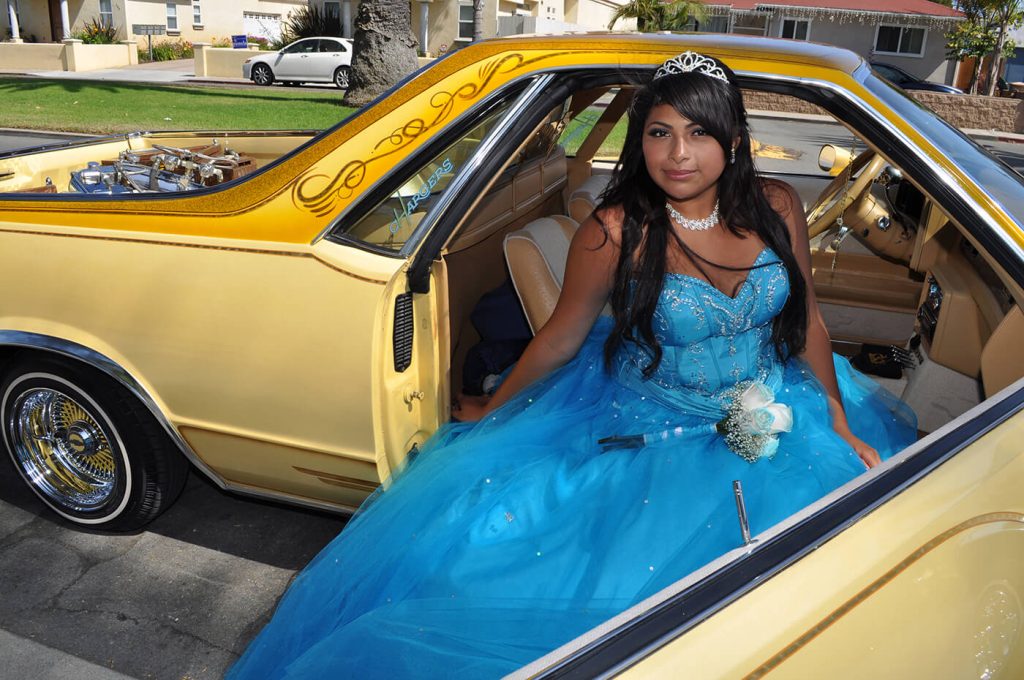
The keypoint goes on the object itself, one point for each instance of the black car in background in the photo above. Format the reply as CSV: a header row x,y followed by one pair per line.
x,y
901,78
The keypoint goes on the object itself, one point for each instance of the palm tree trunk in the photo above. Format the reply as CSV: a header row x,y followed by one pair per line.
x,y
478,20
384,49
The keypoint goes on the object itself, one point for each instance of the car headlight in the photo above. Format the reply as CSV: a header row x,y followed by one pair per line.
x,y
247,61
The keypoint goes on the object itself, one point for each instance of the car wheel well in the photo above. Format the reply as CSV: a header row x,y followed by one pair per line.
x,y
145,471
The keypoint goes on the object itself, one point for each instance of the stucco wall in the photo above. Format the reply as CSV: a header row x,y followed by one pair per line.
x,y
221,62
860,38
221,18
593,14
73,56
47,56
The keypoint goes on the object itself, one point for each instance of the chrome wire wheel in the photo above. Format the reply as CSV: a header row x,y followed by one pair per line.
x,y
62,450
85,446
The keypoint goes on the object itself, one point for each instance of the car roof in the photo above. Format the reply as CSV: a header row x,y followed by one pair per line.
x,y
722,45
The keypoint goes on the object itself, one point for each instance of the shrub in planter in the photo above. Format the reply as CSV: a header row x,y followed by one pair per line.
x,y
97,32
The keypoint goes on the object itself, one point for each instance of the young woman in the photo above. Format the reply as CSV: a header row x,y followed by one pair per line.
x,y
601,471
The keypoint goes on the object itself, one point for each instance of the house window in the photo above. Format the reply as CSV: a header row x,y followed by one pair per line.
x,y
465,22
797,29
750,24
106,13
172,17
901,40
197,13
714,24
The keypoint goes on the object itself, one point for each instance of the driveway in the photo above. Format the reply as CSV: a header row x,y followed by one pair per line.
x,y
178,600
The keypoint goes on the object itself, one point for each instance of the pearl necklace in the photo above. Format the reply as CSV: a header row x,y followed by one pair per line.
x,y
685,222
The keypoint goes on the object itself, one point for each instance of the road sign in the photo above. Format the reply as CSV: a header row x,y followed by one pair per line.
x,y
149,29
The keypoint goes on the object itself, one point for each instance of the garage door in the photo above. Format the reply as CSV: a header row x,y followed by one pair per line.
x,y
264,25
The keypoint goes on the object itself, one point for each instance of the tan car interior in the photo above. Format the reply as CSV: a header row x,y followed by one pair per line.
x,y
915,281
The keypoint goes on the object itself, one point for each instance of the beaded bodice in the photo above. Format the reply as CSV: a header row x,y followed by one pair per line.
x,y
710,341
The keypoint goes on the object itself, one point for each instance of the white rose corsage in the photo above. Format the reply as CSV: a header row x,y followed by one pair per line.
x,y
753,421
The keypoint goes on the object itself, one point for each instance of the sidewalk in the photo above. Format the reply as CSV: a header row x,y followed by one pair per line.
x,y
177,71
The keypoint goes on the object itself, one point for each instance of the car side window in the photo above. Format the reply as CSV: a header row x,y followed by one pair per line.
x,y
331,46
301,47
392,221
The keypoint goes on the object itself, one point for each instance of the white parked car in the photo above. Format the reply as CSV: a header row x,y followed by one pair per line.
x,y
310,60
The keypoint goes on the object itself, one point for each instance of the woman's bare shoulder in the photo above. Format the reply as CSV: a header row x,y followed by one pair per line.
x,y
608,220
782,197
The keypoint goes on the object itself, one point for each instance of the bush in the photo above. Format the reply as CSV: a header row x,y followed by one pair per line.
x,y
259,40
309,22
97,33
167,50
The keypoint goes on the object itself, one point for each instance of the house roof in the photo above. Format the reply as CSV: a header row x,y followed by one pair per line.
x,y
918,7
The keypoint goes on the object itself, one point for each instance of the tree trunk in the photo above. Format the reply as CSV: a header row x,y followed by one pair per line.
x,y
478,20
972,87
997,60
383,49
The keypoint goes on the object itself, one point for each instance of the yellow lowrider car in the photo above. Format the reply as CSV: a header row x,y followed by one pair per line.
x,y
288,314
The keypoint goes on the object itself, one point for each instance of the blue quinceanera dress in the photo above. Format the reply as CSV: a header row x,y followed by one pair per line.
x,y
509,537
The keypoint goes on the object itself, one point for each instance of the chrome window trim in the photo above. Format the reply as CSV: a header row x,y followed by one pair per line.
x,y
472,166
401,167
111,368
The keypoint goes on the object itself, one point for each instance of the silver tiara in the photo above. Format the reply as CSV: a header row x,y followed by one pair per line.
x,y
688,62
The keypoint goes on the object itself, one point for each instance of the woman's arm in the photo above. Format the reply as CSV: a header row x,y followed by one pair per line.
x,y
818,350
589,275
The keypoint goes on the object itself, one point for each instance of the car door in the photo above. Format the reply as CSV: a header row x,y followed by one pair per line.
x,y
407,218
331,55
293,62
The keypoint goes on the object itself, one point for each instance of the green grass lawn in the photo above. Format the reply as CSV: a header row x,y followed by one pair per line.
x,y
103,107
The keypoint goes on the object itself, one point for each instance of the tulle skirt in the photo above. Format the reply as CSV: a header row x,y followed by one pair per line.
x,y
506,538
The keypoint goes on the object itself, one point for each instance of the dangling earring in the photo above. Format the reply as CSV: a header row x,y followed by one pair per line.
x,y
732,156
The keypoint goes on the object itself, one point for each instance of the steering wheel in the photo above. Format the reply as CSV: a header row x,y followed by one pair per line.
x,y
837,196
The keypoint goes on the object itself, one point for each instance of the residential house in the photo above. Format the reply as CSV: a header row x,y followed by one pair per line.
x,y
192,20
910,34
444,25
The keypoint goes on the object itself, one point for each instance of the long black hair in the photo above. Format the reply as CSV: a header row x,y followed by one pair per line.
x,y
717,106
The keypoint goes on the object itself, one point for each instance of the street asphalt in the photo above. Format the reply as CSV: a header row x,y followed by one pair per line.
x,y
177,601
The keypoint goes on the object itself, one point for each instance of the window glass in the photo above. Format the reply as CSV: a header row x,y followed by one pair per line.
x,y
331,46
912,41
106,13
795,29
172,17
301,47
714,24
888,39
466,21
900,40
750,24
197,13
392,221
332,10
577,130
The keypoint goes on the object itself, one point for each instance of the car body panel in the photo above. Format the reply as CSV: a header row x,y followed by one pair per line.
x,y
928,585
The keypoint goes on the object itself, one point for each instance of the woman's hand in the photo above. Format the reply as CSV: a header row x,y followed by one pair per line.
x,y
867,454
467,408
